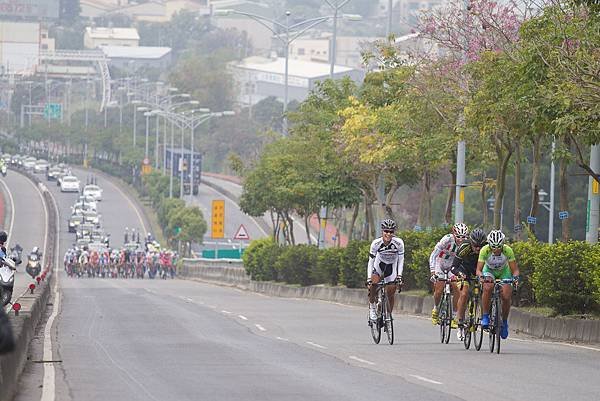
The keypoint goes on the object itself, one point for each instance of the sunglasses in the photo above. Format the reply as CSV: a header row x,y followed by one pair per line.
x,y
461,236
496,247
388,231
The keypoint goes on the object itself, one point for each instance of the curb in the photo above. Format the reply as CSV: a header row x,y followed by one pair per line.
x,y
233,274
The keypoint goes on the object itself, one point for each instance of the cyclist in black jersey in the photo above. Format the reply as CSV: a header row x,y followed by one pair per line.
x,y
464,265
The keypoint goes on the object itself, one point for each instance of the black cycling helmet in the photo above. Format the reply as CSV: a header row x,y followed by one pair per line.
x,y
478,237
3,236
388,224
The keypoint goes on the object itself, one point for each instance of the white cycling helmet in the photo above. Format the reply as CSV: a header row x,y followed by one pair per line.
x,y
495,239
460,230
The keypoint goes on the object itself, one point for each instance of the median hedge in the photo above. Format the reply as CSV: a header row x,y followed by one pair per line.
x,y
563,276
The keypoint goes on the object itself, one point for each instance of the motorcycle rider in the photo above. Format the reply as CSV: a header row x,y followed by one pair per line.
x,y
3,239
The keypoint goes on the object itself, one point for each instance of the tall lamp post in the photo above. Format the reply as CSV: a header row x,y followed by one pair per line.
x,y
286,34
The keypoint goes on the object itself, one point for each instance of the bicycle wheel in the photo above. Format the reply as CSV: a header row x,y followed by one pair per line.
x,y
467,331
498,325
442,318
448,317
375,325
493,325
477,329
388,321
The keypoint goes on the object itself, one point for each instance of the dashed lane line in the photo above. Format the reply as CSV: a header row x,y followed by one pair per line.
x,y
316,345
258,326
242,317
357,359
426,379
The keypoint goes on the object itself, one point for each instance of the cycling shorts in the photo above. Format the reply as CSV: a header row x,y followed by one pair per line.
x,y
504,273
441,266
385,270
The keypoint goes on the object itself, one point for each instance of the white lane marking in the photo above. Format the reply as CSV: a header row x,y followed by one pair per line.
x,y
189,299
129,201
556,343
242,317
49,383
258,326
281,338
426,379
316,345
12,209
355,358
226,312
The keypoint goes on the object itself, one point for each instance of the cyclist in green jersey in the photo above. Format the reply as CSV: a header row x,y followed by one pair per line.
x,y
497,261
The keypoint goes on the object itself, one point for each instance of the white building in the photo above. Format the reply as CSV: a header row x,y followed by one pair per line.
x,y
97,37
259,77
20,46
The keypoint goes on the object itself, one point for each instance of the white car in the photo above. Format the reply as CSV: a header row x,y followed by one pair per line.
x,y
40,166
29,163
69,183
93,191
86,201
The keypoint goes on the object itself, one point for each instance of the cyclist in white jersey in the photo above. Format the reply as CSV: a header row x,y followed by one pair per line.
x,y
440,261
386,260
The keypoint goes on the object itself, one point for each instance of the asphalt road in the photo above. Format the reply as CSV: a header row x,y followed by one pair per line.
x,y
185,340
26,211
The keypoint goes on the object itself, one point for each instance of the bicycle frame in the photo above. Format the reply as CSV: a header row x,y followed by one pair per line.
x,y
384,315
495,312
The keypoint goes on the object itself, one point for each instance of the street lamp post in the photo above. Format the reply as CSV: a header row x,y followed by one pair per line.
x,y
147,114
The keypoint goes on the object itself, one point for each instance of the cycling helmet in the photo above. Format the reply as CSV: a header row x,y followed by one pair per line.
x,y
460,230
3,236
477,237
495,239
388,224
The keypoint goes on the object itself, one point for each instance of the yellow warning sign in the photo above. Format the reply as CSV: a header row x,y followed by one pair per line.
x,y
218,219
461,195
595,186
146,169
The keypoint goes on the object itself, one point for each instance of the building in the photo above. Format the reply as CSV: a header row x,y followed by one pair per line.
x,y
261,77
133,58
20,46
95,37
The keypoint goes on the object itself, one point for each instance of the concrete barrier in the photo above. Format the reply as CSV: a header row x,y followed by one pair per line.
x,y
33,307
233,274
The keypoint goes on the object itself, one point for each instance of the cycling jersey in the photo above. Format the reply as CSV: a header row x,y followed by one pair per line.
x,y
497,265
443,254
465,261
386,260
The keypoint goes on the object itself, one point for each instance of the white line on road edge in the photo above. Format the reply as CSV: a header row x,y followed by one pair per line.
x,y
316,345
556,343
426,379
11,224
282,339
226,312
258,326
355,358
49,384
242,317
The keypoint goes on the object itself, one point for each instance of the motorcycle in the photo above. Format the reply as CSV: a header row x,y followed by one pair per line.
x,y
7,279
34,266
3,170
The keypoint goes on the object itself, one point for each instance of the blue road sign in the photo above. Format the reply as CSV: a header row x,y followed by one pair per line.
x,y
531,220
53,111
518,228
563,215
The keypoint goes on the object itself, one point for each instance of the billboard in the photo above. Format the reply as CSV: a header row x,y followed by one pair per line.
x,y
44,9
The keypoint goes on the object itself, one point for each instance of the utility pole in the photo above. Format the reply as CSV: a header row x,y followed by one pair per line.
x,y
593,209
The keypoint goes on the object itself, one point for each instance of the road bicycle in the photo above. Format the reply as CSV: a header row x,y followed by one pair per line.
x,y
474,313
384,315
495,312
445,309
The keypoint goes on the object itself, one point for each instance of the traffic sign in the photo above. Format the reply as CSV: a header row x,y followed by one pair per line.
x,y
146,169
241,233
518,228
218,218
146,160
563,215
52,111
595,186
531,220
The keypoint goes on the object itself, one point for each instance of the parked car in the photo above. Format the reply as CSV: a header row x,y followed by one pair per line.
x,y
94,191
69,183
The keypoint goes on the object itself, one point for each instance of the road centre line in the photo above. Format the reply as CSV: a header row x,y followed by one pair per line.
x,y
355,358
426,379
316,345
281,338
226,312
258,326
242,317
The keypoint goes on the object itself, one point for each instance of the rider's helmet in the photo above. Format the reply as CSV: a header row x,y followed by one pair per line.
x,y
477,237
388,225
3,237
495,239
35,250
460,230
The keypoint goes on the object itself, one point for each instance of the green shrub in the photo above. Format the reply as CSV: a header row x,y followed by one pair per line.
x,y
529,255
328,266
563,280
296,264
418,245
259,259
353,268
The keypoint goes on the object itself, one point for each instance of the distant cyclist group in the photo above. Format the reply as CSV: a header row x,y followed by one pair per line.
x,y
461,263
